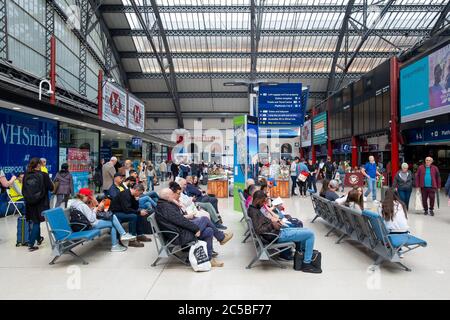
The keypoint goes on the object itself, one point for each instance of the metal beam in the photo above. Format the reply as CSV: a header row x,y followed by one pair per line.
x,y
253,27
337,52
266,33
275,55
441,19
242,75
110,40
214,94
3,30
269,8
192,115
364,38
169,80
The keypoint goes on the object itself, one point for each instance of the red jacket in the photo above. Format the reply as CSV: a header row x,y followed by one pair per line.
x,y
435,177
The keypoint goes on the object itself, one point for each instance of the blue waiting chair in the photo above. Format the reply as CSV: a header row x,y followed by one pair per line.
x,y
62,238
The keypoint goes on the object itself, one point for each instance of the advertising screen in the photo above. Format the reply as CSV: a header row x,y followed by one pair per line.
x,y
320,128
424,86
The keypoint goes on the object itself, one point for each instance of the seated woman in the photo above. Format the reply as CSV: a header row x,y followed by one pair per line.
x,y
304,238
89,207
323,191
250,182
251,190
394,212
354,199
286,219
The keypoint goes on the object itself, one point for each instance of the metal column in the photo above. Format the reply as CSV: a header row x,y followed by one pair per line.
x,y
3,30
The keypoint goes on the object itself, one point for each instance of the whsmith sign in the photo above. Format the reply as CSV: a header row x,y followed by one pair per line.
x,y
22,138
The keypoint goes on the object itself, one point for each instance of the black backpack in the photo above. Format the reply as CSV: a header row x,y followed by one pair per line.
x,y
33,189
82,223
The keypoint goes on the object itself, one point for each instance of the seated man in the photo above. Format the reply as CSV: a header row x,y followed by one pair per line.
x,y
116,187
126,207
186,200
331,194
199,194
89,207
170,218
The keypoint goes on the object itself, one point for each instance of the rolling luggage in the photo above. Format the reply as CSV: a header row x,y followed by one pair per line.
x,y
23,232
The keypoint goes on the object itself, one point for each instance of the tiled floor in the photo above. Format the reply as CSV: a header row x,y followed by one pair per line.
x,y
128,275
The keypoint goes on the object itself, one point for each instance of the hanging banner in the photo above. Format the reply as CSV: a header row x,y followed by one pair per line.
x,y
306,134
320,128
240,157
114,104
136,114
23,137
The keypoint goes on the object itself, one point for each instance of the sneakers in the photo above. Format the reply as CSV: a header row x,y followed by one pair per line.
x,y
432,213
216,263
214,254
118,248
365,198
143,238
34,248
136,244
376,202
127,237
425,212
227,238
220,226
40,240
309,268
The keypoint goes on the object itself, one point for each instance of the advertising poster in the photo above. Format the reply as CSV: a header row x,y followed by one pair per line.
x,y
23,138
78,160
240,158
80,180
252,145
320,128
425,86
114,104
306,134
136,114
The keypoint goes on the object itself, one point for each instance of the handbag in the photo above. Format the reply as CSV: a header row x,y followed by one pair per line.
x,y
418,201
104,215
302,177
198,257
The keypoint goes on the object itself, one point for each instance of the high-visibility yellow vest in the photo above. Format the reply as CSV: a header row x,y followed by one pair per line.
x,y
14,195
44,169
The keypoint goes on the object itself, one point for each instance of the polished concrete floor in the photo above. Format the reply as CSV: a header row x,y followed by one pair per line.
x,y
128,275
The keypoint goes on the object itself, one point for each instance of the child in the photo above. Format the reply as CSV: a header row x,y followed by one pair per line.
x,y
286,219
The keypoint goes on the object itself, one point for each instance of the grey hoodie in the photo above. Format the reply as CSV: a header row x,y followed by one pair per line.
x,y
65,183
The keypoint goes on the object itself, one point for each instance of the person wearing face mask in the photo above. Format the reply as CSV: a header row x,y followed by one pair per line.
x,y
303,237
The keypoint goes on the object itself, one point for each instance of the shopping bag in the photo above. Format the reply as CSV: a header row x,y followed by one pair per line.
x,y
198,257
418,201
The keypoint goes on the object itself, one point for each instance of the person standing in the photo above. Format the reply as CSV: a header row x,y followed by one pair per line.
x,y
329,169
142,175
43,165
447,188
35,190
163,170
98,178
302,169
63,185
125,170
151,173
108,172
313,169
175,170
370,171
403,182
294,175
428,179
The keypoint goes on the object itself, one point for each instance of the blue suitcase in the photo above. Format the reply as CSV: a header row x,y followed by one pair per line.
x,y
23,231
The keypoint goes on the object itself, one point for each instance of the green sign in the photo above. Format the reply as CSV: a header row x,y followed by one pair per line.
x,y
320,128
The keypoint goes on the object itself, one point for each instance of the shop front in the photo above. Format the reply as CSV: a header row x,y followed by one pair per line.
x,y
342,150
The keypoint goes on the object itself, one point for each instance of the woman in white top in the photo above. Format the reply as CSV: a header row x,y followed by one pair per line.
x,y
394,212
88,206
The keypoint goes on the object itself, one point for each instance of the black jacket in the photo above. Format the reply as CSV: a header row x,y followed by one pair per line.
x,y
192,190
124,202
261,223
34,212
170,218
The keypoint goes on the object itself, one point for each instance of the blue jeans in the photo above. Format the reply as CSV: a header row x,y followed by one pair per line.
x,y
371,187
134,222
153,195
145,202
35,234
303,238
114,224
150,184
404,196
207,231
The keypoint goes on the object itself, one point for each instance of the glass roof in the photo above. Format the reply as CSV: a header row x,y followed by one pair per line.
x,y
308,37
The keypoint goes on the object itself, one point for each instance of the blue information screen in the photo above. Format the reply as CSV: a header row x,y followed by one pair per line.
x,y
281,105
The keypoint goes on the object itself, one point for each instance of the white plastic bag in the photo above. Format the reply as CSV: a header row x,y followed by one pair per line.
x,y
198,257
418,201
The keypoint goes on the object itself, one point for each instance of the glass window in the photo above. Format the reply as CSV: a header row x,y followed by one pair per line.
x,y
379,111
372,115
386,109
366,117
79,148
